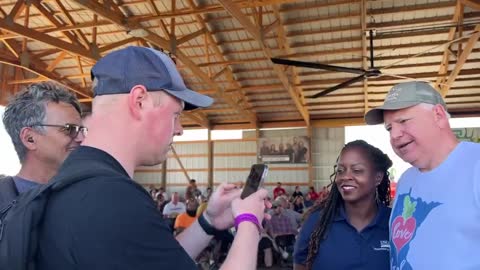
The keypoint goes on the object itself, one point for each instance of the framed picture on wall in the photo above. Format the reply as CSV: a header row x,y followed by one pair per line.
x,y
294,149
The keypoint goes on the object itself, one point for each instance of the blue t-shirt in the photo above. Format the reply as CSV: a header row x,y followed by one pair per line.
x,y
345,248
23,184
435,222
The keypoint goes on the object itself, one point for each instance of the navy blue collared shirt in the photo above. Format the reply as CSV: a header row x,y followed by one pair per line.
x,y
345,248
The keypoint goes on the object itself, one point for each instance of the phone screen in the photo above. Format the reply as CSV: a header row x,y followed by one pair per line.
x,y
255,179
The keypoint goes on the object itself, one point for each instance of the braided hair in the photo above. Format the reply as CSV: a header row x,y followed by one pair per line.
x,y
330,205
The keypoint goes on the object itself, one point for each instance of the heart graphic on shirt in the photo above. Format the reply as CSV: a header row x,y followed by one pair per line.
x,y
402,231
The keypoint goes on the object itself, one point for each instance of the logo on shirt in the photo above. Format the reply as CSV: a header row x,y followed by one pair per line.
x,y
384,245
404,226
405,221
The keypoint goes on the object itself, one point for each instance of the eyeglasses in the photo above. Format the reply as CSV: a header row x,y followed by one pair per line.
x,y
71,130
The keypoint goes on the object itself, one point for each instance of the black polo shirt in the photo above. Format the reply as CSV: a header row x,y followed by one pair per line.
x,y
106,221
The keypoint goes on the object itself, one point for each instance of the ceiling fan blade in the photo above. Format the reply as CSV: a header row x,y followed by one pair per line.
x,y
316,65
338,86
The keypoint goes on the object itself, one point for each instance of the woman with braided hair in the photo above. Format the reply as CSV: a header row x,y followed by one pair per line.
x,y
349,230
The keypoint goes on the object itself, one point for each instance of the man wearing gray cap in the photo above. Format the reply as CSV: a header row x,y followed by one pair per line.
x,y
106,220
436,215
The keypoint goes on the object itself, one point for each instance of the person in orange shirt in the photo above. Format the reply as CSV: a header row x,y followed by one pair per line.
x,y
186,219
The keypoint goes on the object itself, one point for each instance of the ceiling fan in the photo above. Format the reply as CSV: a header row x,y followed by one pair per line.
x,y
362,73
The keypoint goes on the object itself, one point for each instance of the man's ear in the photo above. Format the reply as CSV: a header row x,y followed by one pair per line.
x,y
440,115
29,138
136,100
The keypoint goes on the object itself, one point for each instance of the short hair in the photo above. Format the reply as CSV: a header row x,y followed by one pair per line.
x,y
428,106
28,107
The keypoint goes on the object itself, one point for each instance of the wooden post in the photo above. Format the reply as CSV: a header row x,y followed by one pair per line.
x,y
210,159
311,174
180,163
164,175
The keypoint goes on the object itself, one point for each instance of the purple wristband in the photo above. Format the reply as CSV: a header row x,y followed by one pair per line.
x,y
247,217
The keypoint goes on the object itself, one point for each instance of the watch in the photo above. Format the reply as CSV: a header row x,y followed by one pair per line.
x,y
206,226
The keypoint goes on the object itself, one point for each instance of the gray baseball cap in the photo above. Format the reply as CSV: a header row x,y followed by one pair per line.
x,y
404,95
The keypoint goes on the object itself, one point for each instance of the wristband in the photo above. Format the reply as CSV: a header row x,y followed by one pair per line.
x,y
206,227
247,217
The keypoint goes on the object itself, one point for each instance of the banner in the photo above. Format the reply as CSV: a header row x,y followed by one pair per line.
x,y
294,149
467,134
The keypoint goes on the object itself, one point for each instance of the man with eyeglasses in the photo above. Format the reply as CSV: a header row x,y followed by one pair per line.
x,y
45,125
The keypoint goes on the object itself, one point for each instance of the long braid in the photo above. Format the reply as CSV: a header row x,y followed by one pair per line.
x,y
330,206
329,209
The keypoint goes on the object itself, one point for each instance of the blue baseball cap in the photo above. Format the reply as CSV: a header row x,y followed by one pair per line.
x,y
119,71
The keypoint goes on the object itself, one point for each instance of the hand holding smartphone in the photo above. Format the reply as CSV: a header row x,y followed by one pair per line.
x,y
255,179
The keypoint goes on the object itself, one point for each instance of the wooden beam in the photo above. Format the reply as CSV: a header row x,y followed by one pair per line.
x,y
72,22
461,60
268,28
211,164
363,21
122,21
80,68
172,20
191,36
17,9
180,163
42,72
228,73
472,4
311,171
27,81
200,120
76,26
446,54
220,73
57,60
295,91
117,44
54,42
51,18
235,12
164,175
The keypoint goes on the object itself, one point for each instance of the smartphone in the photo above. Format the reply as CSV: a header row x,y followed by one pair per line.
x,y
255,179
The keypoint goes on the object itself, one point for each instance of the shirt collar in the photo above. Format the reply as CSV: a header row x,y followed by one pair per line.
x,y
96,157
382,215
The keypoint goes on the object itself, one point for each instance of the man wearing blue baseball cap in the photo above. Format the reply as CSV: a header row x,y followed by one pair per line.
x,y
108,221
435,217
